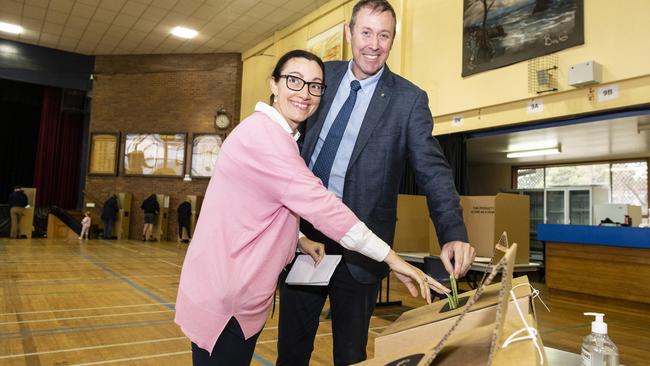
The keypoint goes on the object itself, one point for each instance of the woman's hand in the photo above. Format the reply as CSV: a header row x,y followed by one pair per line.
x,y
413,277
315,249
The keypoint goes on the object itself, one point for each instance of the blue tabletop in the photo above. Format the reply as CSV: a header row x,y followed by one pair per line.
x,y
629,237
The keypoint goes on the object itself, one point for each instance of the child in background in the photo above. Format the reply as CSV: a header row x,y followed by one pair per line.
x,y
85,226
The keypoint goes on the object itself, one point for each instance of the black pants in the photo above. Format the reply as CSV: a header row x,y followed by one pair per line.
x,y
231,348
351,306
184,224
108,228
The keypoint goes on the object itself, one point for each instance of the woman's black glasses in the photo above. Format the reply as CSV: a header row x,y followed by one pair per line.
x,y
296,84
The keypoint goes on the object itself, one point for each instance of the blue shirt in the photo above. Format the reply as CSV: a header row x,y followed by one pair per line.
x,y
342,159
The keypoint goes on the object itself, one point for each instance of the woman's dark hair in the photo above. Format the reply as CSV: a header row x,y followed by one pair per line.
x,y
295,54
277,71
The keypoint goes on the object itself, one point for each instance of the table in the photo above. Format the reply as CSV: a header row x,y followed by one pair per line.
x,y
479,267
481,264
558,357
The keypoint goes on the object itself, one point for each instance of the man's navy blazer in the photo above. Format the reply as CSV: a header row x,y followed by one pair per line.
x,y
395,130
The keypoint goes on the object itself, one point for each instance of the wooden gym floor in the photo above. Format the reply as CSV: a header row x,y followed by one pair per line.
x,y
67,302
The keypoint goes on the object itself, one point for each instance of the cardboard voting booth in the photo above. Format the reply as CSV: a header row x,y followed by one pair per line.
x,y
412,227
26,224
123,220
486,217
160,223
196,201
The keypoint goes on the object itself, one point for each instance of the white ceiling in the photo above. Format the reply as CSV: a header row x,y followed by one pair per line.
x,y
123,27
600,140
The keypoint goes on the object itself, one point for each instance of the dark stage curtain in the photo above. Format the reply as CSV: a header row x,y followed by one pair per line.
x,y
19,117
455,150
56,173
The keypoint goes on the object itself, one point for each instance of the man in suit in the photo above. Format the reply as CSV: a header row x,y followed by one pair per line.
x,y
370,123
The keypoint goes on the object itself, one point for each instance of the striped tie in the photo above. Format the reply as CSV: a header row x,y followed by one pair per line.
x,y
323,165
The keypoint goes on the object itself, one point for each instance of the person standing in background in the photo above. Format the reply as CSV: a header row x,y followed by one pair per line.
x,y
360,156
184,212
151,208
85,226
17,203
109,215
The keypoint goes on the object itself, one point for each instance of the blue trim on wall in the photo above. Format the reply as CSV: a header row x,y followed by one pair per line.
x,y
626,237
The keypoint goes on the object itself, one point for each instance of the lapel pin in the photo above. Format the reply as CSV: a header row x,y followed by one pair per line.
x,y
382,94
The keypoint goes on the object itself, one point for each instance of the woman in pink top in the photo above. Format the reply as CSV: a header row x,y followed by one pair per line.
x,y
248,227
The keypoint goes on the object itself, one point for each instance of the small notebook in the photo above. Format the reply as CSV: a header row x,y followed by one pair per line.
x,y
303,271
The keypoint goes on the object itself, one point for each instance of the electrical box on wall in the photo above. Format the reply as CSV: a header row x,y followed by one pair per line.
x,y
585,73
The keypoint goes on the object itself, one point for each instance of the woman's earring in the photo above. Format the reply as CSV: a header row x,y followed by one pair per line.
x,y
275,98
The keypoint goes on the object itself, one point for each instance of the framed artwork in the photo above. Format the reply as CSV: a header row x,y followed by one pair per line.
x,y
328,45
497,33
205,150
104,150
154,154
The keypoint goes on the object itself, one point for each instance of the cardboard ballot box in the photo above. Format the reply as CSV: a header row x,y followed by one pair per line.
x,y
472,347
428,324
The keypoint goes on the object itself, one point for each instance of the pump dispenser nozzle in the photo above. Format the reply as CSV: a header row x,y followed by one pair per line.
x,y
598,325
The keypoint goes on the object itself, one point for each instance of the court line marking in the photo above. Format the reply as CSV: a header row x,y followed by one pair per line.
x,y
81,329
170,263
85,317
137,287
147,255
81,279
83,309
92,347
128,281
133,358
255,357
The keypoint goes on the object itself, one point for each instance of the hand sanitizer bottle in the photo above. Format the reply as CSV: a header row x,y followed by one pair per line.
x,y
597,348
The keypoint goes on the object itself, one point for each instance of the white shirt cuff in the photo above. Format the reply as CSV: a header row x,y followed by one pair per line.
x,y
360,239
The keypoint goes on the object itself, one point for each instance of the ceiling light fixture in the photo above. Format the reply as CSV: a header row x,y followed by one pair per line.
x,y
11,28
534,152
183,32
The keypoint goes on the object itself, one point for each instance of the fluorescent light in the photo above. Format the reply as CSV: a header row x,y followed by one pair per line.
x,y
183,32
11,28
534,152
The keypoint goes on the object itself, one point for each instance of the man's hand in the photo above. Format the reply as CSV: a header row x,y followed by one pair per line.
x,y
463,255
413,277
315,249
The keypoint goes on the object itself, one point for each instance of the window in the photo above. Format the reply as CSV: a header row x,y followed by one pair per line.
x,y
630,184
627,181
577,175
530,178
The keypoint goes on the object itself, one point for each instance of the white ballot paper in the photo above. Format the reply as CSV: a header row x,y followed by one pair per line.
x,y
303,271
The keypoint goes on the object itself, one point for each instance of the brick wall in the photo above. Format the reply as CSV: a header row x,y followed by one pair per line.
x,y
160,94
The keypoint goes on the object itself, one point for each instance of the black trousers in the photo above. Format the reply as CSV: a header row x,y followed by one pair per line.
x,y
184,224
231,348
351,306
